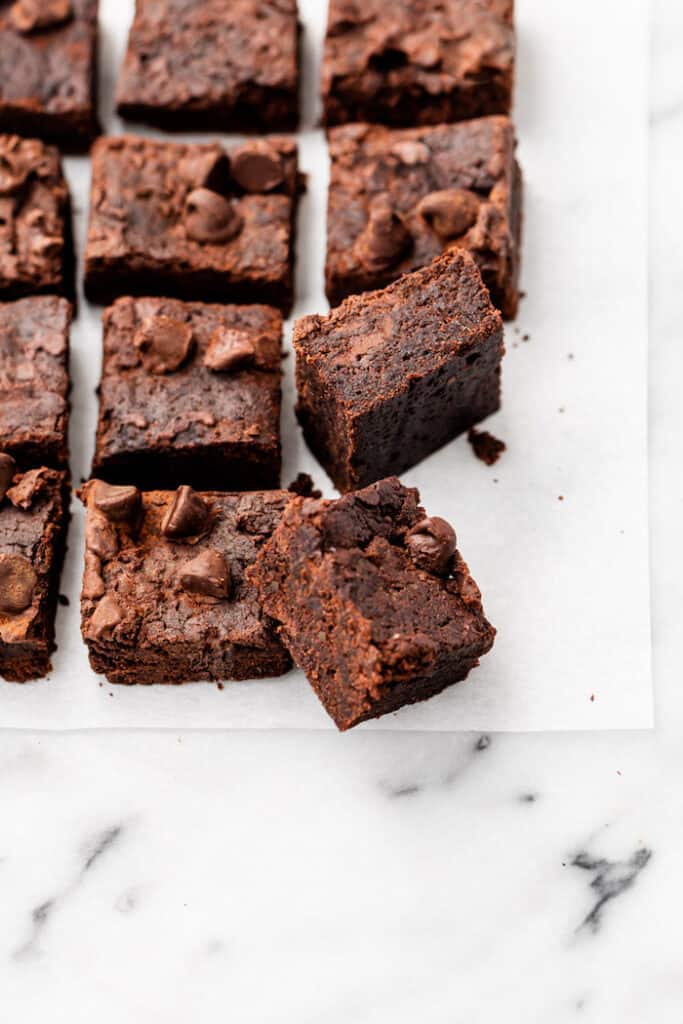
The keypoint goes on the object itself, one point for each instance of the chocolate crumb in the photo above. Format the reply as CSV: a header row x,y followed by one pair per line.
x,y
304,487
64,600
485,446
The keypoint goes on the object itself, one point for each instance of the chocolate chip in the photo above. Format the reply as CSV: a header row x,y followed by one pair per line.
x,y
17,583
31,15
120,504
431,544
187,516
30,485
165,343
229,349
100,537
257,166
411,152
206,168
450,212
211,218
207,575
7,470
385,239
105,618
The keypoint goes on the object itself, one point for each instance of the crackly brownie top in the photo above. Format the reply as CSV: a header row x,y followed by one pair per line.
x,y
46,51
179,373
448,185
194,205
168,567
378,554
34,345
432,43
197,52
31,511
33,199
378,343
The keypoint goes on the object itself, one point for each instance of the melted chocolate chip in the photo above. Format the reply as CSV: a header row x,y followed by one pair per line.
x,y
120,504
30,486
385,239
210,218
33,15
207,575
17,583
165,343
431,544
257,166
450,212
229,349
7,470
187,516
105,618
206,169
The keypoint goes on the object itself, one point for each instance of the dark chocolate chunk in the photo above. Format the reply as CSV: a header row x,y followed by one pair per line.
x,y
450,212
207,575
228,349
188,516
7,470
432,543
385,239
120,504
105,618
30,486
17,583
211,218
164,342
257,166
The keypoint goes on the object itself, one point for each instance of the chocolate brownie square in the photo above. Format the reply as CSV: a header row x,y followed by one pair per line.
x,y
212,65
390,376
373,599
48,70
415,62
165,594
192,221
34,380
34,515
398,198
190,393
36,252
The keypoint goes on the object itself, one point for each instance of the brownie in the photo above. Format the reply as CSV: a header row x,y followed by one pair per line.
x,y
48,70
417,61
190,393
373,600
398,198
34,380
390,376
192,221
34,515
36,251
212,65
165,594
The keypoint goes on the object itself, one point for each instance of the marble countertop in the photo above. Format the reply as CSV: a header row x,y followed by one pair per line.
x,y
376,878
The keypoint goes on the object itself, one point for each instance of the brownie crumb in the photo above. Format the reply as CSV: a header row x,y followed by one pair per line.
x,y
64,600
485,446
304,487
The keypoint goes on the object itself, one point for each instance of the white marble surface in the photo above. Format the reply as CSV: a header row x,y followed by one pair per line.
x,y
377,878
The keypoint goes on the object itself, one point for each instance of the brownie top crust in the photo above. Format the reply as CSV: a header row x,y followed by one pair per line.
x,y
188,373
34,202
34,383
448,185
150,578
378,343
202,53
32,514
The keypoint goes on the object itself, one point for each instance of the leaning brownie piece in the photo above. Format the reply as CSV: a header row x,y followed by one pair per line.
x,y
165,596
399,198
417,61
373,599
390,376
34,380
190,393
34,514
48,73
193,221
36,253
212,65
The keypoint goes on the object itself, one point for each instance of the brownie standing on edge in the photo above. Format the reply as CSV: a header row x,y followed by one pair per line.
x,y
413,62
34,380
165,597
195,221
36,253
34,515
48,70
212,65
390,376
398,198
190,393
374,602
